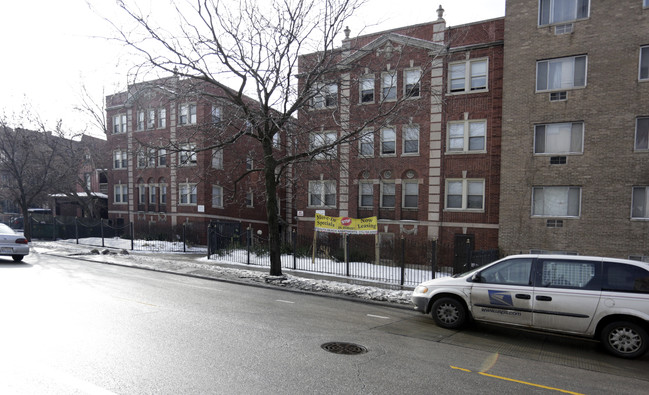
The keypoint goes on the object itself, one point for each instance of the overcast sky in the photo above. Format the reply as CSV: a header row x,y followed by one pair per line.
x,y
53,48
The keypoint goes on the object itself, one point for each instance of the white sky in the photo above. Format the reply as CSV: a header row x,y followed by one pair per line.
x,y
52,48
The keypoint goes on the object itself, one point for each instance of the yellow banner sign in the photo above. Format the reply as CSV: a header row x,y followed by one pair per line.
x,y
359,226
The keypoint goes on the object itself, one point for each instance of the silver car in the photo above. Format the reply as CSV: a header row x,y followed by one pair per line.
x,y
12,243
601,298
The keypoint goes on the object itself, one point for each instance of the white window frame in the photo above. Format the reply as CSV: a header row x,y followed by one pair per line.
x,y
162,118
568,81
151,157
187,155
217,158
187,194
389,91
217,196
142,195
643,63
141,159
162,185
321,139
120,159
162,157
641,136
553,5
363,188
250,199
468,186
468,75
466,137
187,114
326,95
119,124
408,80
216,114
640,203
405,185
153,196
387,140
120,195
574,138
366,144
364,88
324,188
151,121
410,134
569,194
141,120
388,188
250,163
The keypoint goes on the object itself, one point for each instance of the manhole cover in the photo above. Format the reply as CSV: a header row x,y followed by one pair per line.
x,y
344,348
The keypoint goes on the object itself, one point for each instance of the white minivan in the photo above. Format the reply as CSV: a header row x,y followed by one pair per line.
x,y
602,298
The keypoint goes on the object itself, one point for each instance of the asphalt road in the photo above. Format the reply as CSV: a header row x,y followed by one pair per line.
x,y
71,326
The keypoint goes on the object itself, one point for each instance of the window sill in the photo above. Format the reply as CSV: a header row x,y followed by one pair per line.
x,y
389,155
119,168
463,210
467,92
553,24
465,152
410,154
552,217
363,103
573,88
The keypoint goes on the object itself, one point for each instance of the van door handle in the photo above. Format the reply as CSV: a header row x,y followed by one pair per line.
x,y
523,296
543,298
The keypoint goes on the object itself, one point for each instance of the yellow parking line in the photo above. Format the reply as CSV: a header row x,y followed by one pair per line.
x,y
519,381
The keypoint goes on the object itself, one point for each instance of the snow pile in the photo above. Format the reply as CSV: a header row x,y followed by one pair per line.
x,y
200,266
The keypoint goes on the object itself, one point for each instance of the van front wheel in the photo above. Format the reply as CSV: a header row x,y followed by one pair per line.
x,y
449,313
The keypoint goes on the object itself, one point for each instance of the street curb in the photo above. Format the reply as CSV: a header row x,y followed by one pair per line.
x,y
254,284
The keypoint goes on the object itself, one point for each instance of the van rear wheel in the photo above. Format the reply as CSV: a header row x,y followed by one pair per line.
x,y
449,313
625,339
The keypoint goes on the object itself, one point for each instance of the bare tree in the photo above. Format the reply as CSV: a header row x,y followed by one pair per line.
x,y
254,48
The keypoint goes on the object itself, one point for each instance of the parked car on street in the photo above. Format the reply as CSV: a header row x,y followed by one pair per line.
x,y
602,298
12,243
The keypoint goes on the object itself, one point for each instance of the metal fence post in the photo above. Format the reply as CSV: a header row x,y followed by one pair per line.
x,y
132,235
248,243
53,229
101,227
76,229
346,241
403,259
209,242
433,258
294,242
184,239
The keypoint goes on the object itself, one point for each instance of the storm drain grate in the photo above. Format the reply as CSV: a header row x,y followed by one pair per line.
x,y
344,348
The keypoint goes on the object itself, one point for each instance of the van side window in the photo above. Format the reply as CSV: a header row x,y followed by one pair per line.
x,y
510,272
620,277
569,274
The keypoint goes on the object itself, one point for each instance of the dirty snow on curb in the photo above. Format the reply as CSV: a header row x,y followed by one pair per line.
x,y
178,262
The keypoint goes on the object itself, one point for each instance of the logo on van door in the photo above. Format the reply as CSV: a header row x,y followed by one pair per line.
x,y
500,298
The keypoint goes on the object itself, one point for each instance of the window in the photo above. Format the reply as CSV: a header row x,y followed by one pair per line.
x,y
326,96
562,73
162,157
557,11
162,118
249,163
141,192
389,86
217,196
121,194
140,120
644,63
249,199
217,158
150,122
410,194
514,271
557,273
639,204
187,193
153,197
559,138
366,193
187,114
412,83
388,141
642,134
388,194
411,140
119,123
556,201
620,277
87,181
367,89
216,114
119,159
465,194
141,158
320,140
322,193
467,136
277,140
151,157
367,143
163,191
468,76
187,155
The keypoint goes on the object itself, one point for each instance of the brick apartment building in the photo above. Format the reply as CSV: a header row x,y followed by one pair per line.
x,y
429,169
575,159
164,174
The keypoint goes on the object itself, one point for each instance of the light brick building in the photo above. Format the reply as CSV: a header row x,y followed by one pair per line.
x,y
575,160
